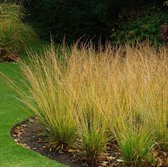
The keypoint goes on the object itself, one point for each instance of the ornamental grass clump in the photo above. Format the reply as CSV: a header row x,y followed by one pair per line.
x,y
92,131
89,98
89,103
140,105
158,100
49,97
14,33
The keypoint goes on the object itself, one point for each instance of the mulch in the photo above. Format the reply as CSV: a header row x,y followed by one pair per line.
x,y
8,58
31,135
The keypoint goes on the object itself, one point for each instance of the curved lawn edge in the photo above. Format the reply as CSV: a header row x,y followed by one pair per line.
x,y
11,154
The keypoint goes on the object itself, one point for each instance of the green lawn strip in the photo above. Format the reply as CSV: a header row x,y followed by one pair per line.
x,y
11,112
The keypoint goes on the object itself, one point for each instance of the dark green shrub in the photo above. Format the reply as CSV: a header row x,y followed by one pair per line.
x,y
95,19
140,25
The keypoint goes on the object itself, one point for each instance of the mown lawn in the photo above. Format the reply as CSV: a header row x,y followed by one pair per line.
x,y
11,112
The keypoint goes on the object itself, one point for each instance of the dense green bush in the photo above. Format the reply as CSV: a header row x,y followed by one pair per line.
x,y
14,34
94,19
140,25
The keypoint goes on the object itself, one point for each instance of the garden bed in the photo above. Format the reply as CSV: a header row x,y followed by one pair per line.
x,y
97,110
31,135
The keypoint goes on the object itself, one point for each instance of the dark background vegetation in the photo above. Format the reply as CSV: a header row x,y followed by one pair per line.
x,y
115,20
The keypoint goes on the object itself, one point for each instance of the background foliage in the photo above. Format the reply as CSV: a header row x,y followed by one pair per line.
x,y
14,33
116,20
145,25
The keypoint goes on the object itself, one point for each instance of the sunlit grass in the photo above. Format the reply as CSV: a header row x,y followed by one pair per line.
x,y
96,95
